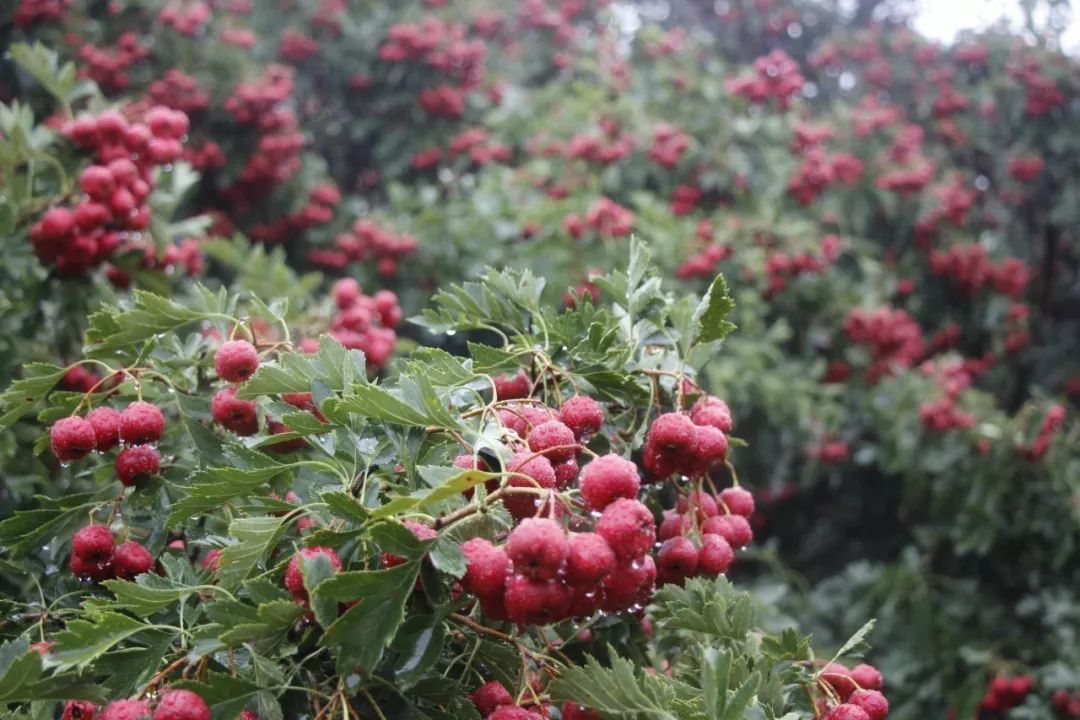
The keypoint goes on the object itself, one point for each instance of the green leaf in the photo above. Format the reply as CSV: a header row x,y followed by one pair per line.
x,y
83,641
314,570
148,594
715,675
492,361
212,487
27,529
226,695
451,482
146,316
856,644
360,635
738,703
22,395
614,691
709,317
256,535
418,644
374,402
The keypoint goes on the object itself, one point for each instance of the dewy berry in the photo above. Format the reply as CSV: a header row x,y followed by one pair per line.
x,y
538,548
677,559
232,414
141,423
606,479
236,361
132,559
629,528
555,440
106,423
125,710
513,712
535,602
583,415
513,387
530,471
715,556
72,438
93,542
490,696
738,501
136,463
733,528
867,677
486,567
872,701
590,559
846,711
181,705
79,710
419,531
294,576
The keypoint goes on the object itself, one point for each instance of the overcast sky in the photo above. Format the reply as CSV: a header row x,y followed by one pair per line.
x,y
943,19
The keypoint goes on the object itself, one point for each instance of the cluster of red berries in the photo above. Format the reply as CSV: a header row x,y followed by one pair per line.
x,y
669,144
605,217
296,46
687,444
173,705
367,242
138,427
494,702
829,450
1026,168
475,144
817,171
783,268
704,263
235,362
970,269
859,691
365,322
115,191
31,12
1003,693
96,556
108,66
1066,703
1052,422
319,210
609,147
776,77
892,336
722,524
185,18
179,91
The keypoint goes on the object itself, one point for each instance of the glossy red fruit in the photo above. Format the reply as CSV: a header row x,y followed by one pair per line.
x,y
236,361
141,423
181,705
132,559
136,463
72,438
538,548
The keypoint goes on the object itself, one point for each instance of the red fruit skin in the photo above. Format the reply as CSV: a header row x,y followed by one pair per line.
x,y
419,531
93,542
630,584
628,527
513,387
125,710
872,701
672,432
294,576
840,678
486,568
141,423
79,710
846,711
565,473
536,467
703,502
212,560
285,446
673,525
132,559
181,705
738,501
589,561
677,558
715,556
710,447
606,479
733,528
867,677
248,715
553,434
236,361
538,548
97,182
232,414
508,712
106,424
535,602
136,463
489,697
95,570
72,438
712,411
570,711
583,415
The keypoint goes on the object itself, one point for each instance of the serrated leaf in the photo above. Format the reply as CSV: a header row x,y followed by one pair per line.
x,y
22,395
614,691
451,482
857,642
147,594
709,317
256,535
212,487
83,641
147,315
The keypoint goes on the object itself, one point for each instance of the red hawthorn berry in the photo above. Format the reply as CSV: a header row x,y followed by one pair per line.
x,y
212,560
513,387
630,584
72,438
79,710
570,711
93,542
565,473
674,524
486,567
132,559
493,606
106,424
710,447
294,576
847,711
702,502
606,479
628,527
97,182
677,558
873,702
582,415
303,401
181,705
248,715
590,560
538,548
733,528
237,415
738,501
489,697
285,446
346,293
840,678
508,712
125,710
136,463
419,531
56,223
673,432
555,440
712,411
236,361
867,677
535,602
537,472
715,556
141,423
